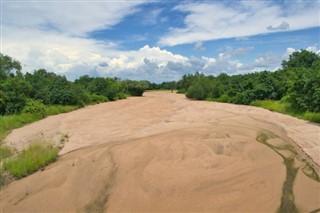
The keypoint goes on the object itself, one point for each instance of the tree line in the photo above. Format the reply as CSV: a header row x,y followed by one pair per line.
x,y
30,92
297,83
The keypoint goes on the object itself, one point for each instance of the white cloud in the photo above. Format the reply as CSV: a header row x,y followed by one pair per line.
x,y
290,50
313,49
198,46
55,36
71,18
216,20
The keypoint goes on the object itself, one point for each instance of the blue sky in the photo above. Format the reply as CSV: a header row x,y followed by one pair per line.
x,y
157,40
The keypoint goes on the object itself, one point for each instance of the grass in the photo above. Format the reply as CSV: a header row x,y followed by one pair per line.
x,y
31,159
57,109
5,152
10,122
285,108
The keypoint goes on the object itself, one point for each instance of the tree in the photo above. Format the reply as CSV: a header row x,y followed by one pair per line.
x,y
8,66
196,91
305,90
15,92
136,88
301,59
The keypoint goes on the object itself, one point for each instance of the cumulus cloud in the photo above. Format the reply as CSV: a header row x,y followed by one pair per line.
x,y
283,26
313,49
217,20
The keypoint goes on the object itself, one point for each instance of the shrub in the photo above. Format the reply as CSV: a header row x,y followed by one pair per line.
x,y
34,107
94,98
135,90
196,91
120,96
305,90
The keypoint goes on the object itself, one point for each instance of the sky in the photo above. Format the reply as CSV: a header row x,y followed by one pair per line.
x,y
156,40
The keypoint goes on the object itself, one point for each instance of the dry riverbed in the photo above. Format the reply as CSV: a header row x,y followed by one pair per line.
x,y
163,152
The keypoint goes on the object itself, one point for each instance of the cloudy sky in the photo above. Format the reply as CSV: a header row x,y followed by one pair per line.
x,y
156,40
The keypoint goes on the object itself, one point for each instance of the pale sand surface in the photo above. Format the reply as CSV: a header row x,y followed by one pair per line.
x,y
163,152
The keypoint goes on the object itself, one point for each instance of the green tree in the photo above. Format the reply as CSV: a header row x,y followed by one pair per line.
x,y
196,91
16,90
305,90
8,66
301,59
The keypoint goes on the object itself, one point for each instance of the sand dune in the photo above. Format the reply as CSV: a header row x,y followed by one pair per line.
x,y
165,153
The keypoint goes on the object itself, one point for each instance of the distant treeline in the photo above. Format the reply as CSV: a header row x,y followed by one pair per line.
x,y
297,83
30,92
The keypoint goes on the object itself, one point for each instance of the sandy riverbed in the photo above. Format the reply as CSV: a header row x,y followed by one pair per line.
x,y
163,152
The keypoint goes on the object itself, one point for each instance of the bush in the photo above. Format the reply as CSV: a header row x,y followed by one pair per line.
x,y
135,90
305,91
224,98
3,102
94,98
31,159
34,107
245,97
120,96
196,91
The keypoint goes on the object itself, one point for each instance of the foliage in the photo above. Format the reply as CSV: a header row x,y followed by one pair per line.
x,y
196,91
34,107
107,87
31,159
10,122
305,90
286,108
94,98
8,66
301,59
15,91
299,80
136,88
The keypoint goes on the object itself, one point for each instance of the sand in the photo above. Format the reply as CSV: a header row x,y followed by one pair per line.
x,y
165,153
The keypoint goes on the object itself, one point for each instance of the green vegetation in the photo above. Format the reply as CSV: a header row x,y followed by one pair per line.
x,y
25,98
294,89
31,159
136,88
10,122
28,93
5,152
285,108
